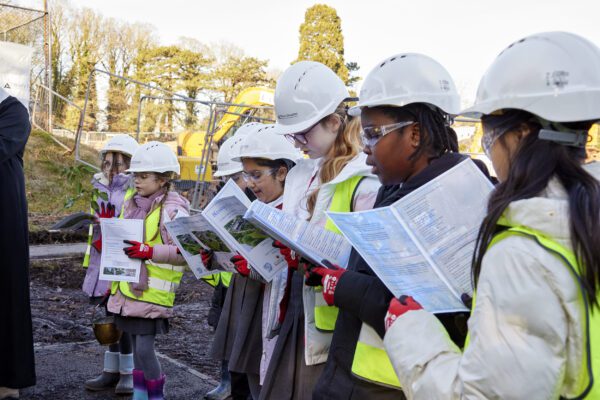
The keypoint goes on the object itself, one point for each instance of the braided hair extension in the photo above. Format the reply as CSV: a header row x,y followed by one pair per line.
x,y
437,136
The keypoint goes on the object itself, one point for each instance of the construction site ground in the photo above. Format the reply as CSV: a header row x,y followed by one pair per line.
x,y
65,348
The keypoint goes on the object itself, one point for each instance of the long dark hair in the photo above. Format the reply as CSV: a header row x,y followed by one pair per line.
x,y
533,165
437,137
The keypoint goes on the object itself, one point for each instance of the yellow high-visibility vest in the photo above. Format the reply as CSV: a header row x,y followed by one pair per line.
x,y
326,315
163,279
588,383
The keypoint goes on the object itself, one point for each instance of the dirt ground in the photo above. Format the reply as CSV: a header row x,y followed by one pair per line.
x,y
61,314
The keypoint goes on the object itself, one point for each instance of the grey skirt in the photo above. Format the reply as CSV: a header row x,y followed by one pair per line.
x,y
142,326
238,336
288,377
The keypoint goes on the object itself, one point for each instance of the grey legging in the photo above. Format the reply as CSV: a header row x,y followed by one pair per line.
x,y
144,357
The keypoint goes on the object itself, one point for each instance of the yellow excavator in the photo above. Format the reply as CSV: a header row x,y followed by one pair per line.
x,y
190,146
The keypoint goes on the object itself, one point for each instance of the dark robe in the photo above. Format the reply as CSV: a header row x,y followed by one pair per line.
x,y
17,367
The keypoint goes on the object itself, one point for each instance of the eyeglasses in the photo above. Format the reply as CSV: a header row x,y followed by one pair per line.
x,y
300,137
108,165
372,134
489,137
255,176
235,177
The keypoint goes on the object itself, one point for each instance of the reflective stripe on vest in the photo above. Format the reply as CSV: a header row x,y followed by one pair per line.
x,y
371,362
325,315
163,279
591,364
214,279
86,258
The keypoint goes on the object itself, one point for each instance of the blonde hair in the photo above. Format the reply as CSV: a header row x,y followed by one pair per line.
x,y
346,146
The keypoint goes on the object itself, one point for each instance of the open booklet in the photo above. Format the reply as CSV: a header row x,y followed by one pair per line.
x,y
311,241
422,245
226,215
194,234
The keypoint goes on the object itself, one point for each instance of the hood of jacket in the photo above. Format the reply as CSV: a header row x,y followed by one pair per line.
x,y
549,211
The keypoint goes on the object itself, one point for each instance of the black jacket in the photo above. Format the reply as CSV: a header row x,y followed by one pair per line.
x,y
16,338
363,297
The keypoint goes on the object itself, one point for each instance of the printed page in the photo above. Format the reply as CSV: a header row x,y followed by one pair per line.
x,y
386,246
194,234
444,216
114,263
311,241
226,215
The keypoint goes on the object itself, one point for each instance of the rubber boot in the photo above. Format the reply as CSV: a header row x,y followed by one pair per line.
x,y
140,391
223,391
110,375
125,385
156,388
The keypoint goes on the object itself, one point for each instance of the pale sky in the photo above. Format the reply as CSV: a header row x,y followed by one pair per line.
x,y
463,35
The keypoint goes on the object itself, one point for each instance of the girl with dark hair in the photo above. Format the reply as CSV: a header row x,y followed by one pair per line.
x,y
535,328
405,116
311,113
248,327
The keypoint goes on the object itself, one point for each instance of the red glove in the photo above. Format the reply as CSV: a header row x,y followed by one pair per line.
x,y
329,279
139,250
398,307
97,244
106,211
241,265
291,259
207,256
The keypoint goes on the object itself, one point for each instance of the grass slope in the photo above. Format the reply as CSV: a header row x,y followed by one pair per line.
x,y
56,185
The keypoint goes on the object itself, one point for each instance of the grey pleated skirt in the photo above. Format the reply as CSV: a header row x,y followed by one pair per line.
x,y
142,326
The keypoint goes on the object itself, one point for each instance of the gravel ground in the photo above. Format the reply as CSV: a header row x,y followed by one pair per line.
x,y
61,314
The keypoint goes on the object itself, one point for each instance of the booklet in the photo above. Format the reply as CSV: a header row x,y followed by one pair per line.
x,y
192,235
114,263
226,215
311,241
422,245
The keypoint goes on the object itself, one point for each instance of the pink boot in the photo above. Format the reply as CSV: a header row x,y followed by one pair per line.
x,y
140,392
156,388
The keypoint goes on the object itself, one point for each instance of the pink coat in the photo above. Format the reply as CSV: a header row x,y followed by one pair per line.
x,y
174,205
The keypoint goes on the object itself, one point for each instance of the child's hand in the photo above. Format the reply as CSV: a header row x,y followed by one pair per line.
x,y
106,211
138,250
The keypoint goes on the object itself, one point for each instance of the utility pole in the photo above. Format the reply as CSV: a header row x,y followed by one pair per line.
x,y
48,63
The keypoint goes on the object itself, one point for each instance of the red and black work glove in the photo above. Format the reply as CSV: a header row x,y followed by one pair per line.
x,y
329,279
241,265
106,211
139,250
398,307
207,256
290,257
97,244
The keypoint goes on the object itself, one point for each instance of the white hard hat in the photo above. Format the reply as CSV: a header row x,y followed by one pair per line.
x,y
306,93
225,164
154,157
554,75
408,78
121,143
266,143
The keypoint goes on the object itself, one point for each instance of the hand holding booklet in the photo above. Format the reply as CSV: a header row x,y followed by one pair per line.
x,y
114,263
226,215
311,241
422,245
194,234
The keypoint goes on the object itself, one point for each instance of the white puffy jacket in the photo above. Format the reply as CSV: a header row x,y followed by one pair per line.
x,y
526,327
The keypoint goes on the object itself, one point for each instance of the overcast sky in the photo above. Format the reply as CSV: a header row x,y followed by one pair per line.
x,y
464,35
